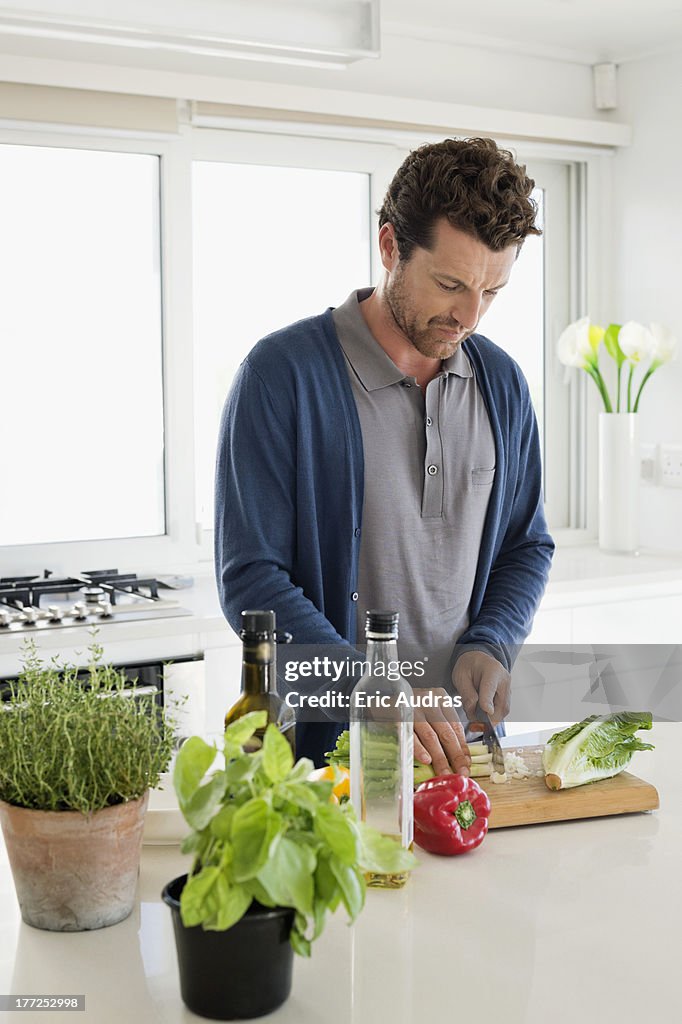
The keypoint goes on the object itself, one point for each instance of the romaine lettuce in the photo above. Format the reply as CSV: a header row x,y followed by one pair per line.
x,y
597,748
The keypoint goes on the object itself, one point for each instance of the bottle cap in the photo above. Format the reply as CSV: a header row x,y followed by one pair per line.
x,y
381,623
258,622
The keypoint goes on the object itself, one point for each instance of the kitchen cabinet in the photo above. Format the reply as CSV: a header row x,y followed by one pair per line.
x,y
646,620
551,626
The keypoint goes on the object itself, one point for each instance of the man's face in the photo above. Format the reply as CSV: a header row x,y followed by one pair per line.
x,y
439,295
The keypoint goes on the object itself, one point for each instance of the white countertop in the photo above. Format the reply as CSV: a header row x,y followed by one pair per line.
x,y
584,573
564,922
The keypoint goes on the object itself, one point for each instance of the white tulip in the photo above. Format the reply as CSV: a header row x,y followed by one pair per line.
x,y
665,344
636,341
573,347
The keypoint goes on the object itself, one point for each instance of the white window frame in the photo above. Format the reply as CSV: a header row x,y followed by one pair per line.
x,y
590,292
377,160
584,284
184,546
177,547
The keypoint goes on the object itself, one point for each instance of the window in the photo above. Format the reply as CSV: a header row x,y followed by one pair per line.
x,y
525,320
80,322
269,249
515,319
217,237
282,229
264,257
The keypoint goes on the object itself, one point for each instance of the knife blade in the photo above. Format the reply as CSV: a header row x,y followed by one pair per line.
x,y
490,738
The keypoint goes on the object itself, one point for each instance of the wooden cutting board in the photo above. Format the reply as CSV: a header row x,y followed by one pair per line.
x,y
529,801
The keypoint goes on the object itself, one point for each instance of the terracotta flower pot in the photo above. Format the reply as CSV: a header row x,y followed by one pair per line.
x,y
74,872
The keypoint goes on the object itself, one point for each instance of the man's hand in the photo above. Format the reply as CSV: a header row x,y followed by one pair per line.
x,y
439,737
480,679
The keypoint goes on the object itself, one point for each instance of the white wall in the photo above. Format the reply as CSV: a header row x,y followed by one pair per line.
x,y
647,257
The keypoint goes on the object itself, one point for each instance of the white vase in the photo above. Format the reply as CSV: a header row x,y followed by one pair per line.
x,y
619,471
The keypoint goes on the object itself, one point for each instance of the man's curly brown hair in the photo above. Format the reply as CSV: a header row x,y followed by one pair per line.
x,y
478,186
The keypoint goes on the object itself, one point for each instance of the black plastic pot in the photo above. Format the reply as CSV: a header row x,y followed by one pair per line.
x,y
236,974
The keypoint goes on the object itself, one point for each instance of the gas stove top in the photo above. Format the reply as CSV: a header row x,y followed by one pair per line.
x,y
89,598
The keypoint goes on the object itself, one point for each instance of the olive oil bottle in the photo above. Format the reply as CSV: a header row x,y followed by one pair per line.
x,y
259,680
382,743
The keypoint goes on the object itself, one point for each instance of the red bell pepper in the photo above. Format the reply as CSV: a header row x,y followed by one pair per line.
x,y
450,814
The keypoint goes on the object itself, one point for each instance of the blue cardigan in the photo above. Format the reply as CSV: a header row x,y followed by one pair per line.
x,y
289,494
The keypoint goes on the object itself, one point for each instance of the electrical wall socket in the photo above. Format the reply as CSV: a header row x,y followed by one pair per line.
x,y
661,464
648,462
670,465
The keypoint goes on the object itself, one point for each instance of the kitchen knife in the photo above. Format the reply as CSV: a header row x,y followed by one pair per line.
x,y
490,738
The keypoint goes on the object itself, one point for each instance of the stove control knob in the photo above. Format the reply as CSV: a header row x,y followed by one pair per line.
x,y
30,615
6,618
54,613
103,609
79,610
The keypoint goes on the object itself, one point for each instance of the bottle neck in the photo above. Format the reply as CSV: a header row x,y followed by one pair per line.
x,y
381,651
258,667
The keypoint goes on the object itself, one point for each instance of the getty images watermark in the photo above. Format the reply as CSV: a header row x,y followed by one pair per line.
x,y
550,683
329,670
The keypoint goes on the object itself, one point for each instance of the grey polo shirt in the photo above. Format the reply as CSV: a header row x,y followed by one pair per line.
x,y
429,468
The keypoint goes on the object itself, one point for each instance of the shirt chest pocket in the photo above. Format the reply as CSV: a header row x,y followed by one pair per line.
x,y
481,478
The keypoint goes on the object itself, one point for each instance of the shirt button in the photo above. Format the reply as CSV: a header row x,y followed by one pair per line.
x,y
356,531
354,597
432,470
429,421
406,384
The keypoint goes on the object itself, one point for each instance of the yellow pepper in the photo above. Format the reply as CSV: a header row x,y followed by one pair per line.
x,y
329,774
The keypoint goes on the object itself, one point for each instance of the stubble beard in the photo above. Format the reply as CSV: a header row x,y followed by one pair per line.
x,y
424,339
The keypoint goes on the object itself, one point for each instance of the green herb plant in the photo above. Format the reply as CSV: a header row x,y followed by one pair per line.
x,y
262,833
79,744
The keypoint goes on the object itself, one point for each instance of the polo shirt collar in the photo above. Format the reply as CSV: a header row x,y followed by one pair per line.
x,y
458,363
374,368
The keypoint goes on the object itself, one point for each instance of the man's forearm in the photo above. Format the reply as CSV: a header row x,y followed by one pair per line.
x,y
265,585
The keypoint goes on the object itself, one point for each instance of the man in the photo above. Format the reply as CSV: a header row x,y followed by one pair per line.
x,y
383,454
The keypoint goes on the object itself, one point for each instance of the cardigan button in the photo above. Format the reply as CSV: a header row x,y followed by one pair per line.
x,y
354,596
356,531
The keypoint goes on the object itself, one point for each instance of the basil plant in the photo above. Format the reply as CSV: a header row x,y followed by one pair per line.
x,y
263,832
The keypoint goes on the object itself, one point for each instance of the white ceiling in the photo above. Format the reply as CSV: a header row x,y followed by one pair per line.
x,y
582,31
587,31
